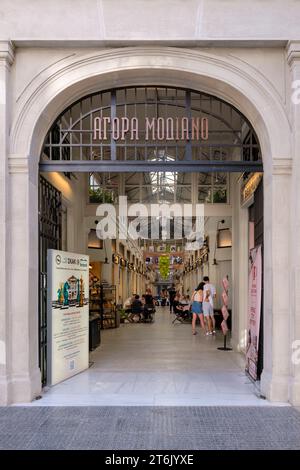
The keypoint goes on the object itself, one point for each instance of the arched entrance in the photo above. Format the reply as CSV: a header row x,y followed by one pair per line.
x,y
163,133
59,86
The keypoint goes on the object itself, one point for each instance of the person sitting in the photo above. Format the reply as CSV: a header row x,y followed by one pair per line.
x,y
127,304
185,303
149,307
181,308
136,307
177,307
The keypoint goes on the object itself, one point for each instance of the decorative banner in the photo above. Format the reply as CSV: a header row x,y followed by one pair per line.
x,y
254,310
68,315
224,327
225,298
225,313
225,284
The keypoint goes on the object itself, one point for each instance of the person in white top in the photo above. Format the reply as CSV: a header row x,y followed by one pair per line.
x,y
209,294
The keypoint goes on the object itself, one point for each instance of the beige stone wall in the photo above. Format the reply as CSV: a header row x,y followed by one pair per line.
x,y
107,21
38,83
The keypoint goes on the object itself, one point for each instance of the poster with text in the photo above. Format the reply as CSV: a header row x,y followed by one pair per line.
x,y
254,310
68,315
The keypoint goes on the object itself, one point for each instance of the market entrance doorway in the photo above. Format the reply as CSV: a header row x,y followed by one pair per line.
x,y
169,134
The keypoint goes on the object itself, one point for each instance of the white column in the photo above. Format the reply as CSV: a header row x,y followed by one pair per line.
x,y
6,60
294,63
277,293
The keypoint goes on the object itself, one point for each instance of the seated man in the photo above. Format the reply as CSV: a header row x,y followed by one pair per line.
x,y
149,306
177,307
181,308
136,307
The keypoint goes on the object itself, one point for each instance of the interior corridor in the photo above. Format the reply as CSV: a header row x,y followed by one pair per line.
x,y
158,364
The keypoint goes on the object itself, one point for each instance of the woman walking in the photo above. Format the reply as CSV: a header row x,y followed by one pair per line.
x,y
197,299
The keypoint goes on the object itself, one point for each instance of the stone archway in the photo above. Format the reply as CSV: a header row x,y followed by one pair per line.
x,y
61,84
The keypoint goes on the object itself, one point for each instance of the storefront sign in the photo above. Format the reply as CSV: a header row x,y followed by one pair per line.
x,y
123,128
254,310
249,188
115,259
68,315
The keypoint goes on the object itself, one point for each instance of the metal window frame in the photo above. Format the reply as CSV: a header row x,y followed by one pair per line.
x,y
66,135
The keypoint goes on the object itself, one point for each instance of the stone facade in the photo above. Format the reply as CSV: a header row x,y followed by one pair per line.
x,y
227,49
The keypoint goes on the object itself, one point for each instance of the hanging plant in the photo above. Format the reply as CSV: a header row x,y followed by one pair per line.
x,y
164,266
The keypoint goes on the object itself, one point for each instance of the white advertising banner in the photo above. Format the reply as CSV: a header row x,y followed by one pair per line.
x,y
68,315
254,310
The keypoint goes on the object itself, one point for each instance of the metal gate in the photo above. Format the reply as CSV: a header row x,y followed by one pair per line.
x,y
50,214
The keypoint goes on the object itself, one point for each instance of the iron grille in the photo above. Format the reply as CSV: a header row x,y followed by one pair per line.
x,y
73,142
50,226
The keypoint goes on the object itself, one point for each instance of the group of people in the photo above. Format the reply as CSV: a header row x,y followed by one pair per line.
x,y
203,307
140,308
200,305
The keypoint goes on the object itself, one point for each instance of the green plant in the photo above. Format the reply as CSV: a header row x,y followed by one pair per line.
x,y
220,196
100,195
123,314
164,266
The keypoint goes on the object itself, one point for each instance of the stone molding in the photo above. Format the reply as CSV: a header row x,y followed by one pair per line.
x,y
293,52
18,164
83,72
7,52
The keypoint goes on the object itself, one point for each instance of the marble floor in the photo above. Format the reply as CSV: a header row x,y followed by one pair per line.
x,y
158,364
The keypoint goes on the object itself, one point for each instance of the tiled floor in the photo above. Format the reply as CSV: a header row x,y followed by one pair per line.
x,y
158,364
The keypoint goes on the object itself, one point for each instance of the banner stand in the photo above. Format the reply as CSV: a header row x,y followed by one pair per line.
x,y
224,348
254,312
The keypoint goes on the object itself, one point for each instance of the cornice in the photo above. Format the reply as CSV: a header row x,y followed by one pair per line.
x,y
293,51
86,67
7,52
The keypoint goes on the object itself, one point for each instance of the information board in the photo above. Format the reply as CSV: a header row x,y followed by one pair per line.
x,y
68,315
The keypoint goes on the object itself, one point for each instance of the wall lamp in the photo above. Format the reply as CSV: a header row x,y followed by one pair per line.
x,y
215,250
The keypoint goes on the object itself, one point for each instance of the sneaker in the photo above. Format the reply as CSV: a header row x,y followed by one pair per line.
x,y
210,332
207,333
194,332
214,332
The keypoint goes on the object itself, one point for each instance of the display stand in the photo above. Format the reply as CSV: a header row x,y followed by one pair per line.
x,y
224,348
108,312
225,285
94,317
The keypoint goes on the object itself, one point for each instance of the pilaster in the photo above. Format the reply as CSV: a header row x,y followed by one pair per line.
x,y
277,261
6,60
25,380
293,58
